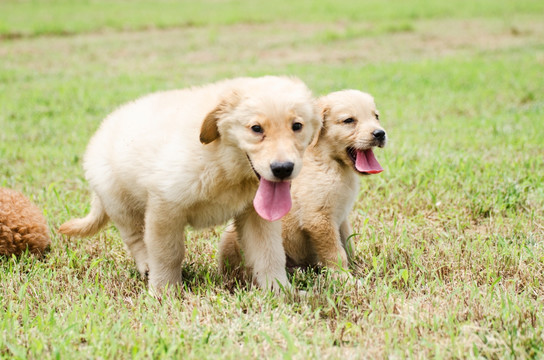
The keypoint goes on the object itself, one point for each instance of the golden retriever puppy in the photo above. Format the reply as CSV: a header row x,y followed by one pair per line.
x,y
199,157
317,229
22,225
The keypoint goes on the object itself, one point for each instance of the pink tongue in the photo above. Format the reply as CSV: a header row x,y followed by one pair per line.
x,y
367,163
273,199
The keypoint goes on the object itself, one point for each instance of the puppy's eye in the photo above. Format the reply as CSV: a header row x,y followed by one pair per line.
x,y
257,129
297,126
377,116
349,120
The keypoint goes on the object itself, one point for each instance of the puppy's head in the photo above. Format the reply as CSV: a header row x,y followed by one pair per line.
x,y
351,128
272,120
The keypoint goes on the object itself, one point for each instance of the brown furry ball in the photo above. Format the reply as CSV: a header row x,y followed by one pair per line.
x,y
22,225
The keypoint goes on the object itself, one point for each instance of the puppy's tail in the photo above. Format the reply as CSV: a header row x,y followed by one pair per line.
x,y
88,225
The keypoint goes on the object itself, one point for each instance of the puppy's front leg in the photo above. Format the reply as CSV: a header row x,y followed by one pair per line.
x,y
325,237
164,238
345,233
262,245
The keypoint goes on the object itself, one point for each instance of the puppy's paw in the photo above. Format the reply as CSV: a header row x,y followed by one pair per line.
x,y
143,269
154,293
346,278
165,293
277,285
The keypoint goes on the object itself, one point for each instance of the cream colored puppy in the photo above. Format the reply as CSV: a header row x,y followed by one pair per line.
x,y
199,157
317,229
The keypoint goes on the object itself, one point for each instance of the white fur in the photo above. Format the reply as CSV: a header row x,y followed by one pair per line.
x,y
152,175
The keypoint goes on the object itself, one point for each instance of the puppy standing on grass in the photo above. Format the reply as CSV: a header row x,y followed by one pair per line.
x,y
199,157
317,229
22,225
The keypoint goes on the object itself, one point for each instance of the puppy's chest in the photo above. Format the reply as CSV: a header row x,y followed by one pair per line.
x,y
222,206
341,197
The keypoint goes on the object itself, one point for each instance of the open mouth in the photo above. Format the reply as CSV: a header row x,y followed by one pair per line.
x,y
364,161
253,168
273,198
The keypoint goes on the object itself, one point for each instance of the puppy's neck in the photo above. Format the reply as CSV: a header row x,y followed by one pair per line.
x,y
324,151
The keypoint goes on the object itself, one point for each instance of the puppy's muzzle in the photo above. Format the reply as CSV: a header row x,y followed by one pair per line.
x,y
282,170
379,137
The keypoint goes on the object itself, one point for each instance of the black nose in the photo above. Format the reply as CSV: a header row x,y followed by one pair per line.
x,y
378,134
282,170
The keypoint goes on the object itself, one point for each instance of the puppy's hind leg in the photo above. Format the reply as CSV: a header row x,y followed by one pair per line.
x,y
296,243
230,253
164,238
133,237
325,236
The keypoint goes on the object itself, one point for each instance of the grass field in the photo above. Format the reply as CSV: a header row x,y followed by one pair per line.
x,y
449,243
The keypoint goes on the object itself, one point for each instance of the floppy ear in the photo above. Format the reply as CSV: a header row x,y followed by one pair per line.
x,y
209,130
324,110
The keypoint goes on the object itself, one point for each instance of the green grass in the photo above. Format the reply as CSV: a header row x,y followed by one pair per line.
x,y
63,17
449,239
